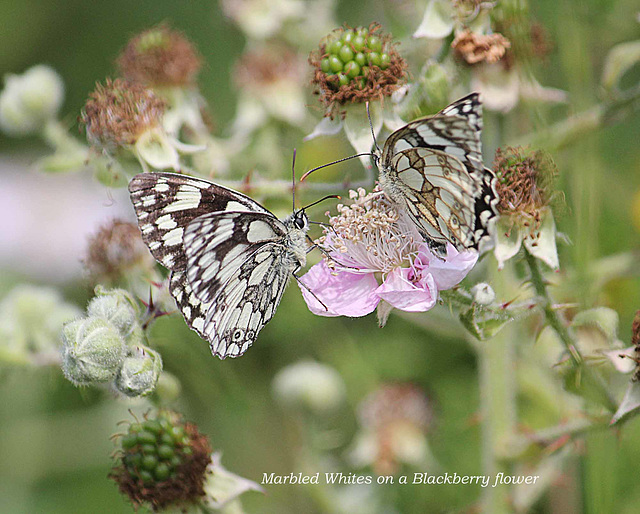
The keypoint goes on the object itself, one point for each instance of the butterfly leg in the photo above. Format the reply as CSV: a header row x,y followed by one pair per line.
x,y
310,291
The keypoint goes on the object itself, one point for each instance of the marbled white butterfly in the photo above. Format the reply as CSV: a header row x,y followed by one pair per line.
x,y
433,168
230,258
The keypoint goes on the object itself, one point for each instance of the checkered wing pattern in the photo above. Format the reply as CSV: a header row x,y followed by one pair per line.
x,y
230,258
433,167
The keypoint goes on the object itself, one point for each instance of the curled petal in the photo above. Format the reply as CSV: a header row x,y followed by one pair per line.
x,y
449,272
343,293
406,295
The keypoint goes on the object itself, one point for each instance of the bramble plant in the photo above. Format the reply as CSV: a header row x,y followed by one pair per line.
x,y
535,306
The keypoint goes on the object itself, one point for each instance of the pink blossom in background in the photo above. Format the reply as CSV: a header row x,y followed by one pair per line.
x,y
378,255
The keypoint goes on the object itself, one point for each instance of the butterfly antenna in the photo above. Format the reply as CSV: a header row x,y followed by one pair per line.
x,y
373,134
293,180
321,200
332,163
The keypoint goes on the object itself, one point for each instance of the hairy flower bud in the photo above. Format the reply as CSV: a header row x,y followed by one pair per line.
x,y
93,351
139,373
115,306
160,57
29,100
483,294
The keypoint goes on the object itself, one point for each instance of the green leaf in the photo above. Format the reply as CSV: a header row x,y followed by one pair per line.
x,y
619,60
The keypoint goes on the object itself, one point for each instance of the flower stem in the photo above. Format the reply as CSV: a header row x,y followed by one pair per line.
x,y
565,336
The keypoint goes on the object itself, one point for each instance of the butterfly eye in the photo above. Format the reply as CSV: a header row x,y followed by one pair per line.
x,y
301,221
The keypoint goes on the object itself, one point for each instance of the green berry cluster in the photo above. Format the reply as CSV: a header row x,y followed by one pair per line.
x,y
164,461
155,448
351,53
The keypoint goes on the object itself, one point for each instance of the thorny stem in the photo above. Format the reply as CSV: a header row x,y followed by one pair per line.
x,y
560,328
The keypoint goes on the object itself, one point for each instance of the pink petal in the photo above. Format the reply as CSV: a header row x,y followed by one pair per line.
x,y
345,294
403,294
449,272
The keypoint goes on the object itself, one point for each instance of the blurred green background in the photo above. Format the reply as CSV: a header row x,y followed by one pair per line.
x,y
54,438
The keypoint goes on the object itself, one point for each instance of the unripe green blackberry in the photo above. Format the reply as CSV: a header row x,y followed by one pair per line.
x,y
365,57
163,462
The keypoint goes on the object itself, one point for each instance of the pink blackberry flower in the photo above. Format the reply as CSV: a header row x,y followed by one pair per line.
x,y
375,254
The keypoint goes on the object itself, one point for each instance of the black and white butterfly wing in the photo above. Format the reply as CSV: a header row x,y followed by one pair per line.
x,y
238,264
217,243
165,203
433,167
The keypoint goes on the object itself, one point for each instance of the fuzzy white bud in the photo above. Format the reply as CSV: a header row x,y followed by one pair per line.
x,y
29,100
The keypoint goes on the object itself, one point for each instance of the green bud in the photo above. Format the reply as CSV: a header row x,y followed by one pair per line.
x,y
335,64
374,59
363,32
93,351
358,43
165,452
115,306
153,426
385,60
335,47
145,476
375,44
360,58
352,70
148,449
139,372
162,472
146,437
149,462
345,54
348,35
343,79
325,65
129,441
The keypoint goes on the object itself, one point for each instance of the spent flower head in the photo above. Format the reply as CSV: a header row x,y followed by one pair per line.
x,y
376,257
119,112
270,79
160,57
394,420
474,48
116,251
525,186
356,65
125,115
